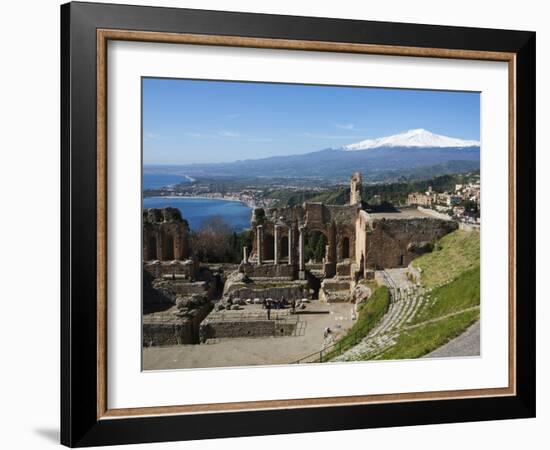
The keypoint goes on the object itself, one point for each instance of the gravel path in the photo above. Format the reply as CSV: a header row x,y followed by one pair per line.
x,y
467,344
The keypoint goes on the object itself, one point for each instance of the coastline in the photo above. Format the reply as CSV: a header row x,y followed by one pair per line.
x,y
198,197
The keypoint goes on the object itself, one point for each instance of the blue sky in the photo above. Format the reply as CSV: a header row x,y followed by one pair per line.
x,y
194,121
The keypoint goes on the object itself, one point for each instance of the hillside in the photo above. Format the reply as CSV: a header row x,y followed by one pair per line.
x,y
446,313
454,254
450,291
424,316
395,193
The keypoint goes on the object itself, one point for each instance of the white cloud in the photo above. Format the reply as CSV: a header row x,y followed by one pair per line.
x,y
259,139
154,136
227,133
329,136
345,126
222,134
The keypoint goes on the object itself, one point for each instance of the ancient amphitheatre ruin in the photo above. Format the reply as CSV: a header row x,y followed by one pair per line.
x,y
276,307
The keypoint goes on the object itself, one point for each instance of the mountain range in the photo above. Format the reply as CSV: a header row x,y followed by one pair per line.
x,y
413,154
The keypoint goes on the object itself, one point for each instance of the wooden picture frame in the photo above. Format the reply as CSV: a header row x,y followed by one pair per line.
x,y
86,418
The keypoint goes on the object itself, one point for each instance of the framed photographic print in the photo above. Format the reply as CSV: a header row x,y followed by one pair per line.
x,y
276,224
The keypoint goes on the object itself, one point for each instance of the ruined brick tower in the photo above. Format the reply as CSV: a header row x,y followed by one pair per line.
x,y
355,189
165,235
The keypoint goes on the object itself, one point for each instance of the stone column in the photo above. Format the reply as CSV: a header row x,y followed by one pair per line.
x,y
260,243
301,252
290,246
276,234
245,255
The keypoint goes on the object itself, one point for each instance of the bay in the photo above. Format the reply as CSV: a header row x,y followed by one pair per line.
x,y
198,210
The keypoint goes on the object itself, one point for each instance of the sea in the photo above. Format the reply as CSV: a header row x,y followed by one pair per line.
x,y
159,180
197,210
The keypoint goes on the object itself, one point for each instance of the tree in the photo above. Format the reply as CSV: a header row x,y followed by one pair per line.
x,y
210,243
471,207
315,245
216,242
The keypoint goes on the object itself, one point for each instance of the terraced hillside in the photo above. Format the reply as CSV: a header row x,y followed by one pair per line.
x,y
425,315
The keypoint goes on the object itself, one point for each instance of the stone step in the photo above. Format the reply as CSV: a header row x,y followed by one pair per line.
x,y
334,296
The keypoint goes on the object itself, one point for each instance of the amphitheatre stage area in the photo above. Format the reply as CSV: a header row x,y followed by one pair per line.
x,y
306,338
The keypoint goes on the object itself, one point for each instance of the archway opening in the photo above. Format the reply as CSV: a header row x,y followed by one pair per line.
x,y
151,249
345,248
168,248
284,247
269,250
314,246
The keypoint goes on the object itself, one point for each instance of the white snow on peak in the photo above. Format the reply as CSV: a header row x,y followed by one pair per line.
x,y
412,138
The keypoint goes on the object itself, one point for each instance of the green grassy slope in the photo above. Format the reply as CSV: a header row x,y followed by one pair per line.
x,y
459,294
453,254
451,274
419,341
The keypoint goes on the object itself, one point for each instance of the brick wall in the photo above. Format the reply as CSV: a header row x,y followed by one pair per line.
x,y
396,242
247,328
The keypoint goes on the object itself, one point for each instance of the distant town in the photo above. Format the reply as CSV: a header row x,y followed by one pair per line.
x,y
458,196
256,193
463,203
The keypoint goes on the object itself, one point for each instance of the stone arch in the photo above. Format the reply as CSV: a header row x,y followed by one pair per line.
x,y
317,229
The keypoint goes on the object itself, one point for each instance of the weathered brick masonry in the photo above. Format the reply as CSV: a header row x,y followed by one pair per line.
x,y
396,242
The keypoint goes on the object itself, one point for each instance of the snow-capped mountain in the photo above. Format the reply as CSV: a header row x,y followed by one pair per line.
x,y
415,154
412,138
